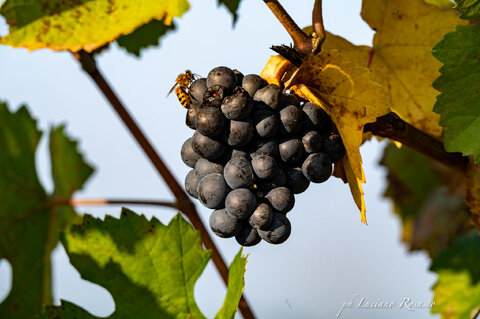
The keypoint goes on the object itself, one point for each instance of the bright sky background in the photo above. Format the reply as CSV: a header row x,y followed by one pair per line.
x,y
330,255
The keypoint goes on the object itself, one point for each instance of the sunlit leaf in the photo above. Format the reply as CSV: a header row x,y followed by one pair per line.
x,y
470,9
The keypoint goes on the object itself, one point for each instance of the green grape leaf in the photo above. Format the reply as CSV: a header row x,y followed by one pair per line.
x,y
457,290
236,284
232,7
145,36
149,268
428,198
459,84
84,24
441,3
28,223
470,9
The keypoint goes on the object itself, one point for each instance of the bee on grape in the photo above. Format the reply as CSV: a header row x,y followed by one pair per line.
x,y
181,87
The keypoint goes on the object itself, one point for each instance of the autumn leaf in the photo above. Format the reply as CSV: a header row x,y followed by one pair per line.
x,y
406,32
85,24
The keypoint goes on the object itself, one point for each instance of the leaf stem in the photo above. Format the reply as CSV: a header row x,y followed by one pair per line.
x,y
185,205
394,128
319,33
301,41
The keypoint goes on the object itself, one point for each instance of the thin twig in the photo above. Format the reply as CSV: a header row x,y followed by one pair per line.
x,y
319,33
185,205
301,41
105,201
394,128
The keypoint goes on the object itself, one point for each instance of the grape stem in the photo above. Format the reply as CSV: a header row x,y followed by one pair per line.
x,y
319,34
106,201
184,204
302,42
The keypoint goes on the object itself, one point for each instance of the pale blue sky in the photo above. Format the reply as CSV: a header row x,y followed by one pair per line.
x,y
330,256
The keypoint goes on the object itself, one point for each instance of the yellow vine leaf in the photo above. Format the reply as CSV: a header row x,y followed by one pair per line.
x,y
402,62
473,193
355,189
84,24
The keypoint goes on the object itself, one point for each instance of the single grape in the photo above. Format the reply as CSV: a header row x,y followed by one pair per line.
x,y
239,132
278,231
224,225
214,96
291,120
264,166
271,95
296,181
317,167
223,76
209,121
291,99
238,105
265,147
197,90
189,156
281,198
315,116
333,146
252,83
190,116
312,142
239,77
248,236
212,191
262,216
207,147
266,123
205,167
191,183
290,149
239,173
240,203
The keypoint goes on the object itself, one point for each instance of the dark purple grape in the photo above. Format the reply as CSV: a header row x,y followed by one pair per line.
x,y
239,173
238,105
296,181
252,83
190,117
205,167
209,121
240,203
223,76
315,116
291,99
207,147
239,133
248,236
239,152
188,154
291,120
281,199
278,231
264,166
317,167
239,77
197,90
265,147
271,95
334,148
214,96
212,191
262,216
312,142
290,149
224,225
191,184
266,123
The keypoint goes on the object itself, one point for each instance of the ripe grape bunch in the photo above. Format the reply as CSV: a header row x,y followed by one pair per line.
x,y
253,148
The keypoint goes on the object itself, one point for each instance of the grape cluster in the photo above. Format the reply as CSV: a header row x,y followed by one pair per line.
x,y
254,147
